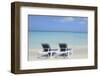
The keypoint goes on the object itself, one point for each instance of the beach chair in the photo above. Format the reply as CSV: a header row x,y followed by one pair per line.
x,y
63,50
45,51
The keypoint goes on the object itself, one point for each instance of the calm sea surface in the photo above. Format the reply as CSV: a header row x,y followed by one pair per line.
x,y
54,38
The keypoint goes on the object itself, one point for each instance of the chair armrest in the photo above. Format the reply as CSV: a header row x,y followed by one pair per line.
x,y
47,49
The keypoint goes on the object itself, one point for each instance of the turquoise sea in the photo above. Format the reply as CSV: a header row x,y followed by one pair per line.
x,y
36,38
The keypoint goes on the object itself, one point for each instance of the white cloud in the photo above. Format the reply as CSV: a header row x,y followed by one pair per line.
x,y
70,19
67,19
84,20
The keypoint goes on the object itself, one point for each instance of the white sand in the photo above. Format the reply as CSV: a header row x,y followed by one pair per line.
x,y
78,53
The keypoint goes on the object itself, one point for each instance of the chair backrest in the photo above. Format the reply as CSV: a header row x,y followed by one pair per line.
x,y
46,47
63,46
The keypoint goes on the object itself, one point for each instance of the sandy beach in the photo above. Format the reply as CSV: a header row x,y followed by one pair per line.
x,y
78,52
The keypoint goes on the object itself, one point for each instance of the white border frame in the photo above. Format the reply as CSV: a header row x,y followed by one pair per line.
x,y
24,64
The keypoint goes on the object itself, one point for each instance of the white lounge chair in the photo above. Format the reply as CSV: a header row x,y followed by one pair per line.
x,y
45,51
64,51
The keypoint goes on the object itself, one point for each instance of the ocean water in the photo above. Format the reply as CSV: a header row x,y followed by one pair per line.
x,y
36,38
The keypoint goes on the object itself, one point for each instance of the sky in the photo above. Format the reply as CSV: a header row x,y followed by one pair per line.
x,y
57,23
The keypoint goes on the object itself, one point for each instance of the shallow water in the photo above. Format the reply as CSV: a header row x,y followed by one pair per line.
x,y
54,38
